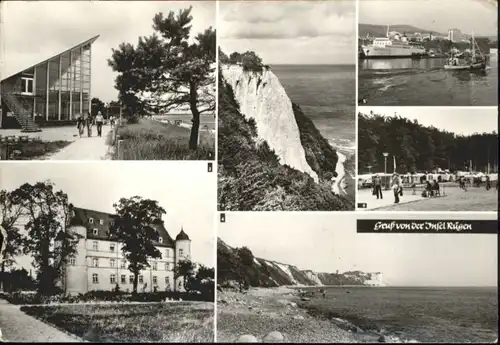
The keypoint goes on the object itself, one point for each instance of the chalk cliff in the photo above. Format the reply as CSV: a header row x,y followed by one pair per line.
x,y
268,273
261,97
271,157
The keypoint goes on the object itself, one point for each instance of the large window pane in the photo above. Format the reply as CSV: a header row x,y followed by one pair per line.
x,y
41,80
54,74
53,105
76,69
65,105
40,108
85,103
65,72
75,104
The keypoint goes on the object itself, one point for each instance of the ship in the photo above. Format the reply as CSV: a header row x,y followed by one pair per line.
x,y
477,62
395,47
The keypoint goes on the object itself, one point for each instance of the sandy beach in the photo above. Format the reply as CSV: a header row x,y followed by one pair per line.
x,y
272,315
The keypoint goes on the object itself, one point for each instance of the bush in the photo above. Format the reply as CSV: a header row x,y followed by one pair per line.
x,y
206,294
24,298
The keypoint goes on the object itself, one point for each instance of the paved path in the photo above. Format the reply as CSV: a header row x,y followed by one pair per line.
x,y
66,133
85,148
365,196
17,326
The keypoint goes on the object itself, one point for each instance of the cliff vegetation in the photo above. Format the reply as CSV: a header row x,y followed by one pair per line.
x,y
237,267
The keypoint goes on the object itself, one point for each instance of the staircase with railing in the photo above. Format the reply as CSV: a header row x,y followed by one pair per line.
x,y
23,116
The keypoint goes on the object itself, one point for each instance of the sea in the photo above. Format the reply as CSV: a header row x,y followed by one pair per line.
x,y
327,95
207,120
424,82
422,314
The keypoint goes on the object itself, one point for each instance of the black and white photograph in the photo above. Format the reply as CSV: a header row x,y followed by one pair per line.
x,y
328,283
102,252
428,53
427,159
286,111
107,80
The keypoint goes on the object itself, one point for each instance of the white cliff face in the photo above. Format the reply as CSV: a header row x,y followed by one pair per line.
x,y
313,276
338,183
262,98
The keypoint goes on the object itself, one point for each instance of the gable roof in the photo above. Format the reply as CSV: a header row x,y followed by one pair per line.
x,y
89,41
82,217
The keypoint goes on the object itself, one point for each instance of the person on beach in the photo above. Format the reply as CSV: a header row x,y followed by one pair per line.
x,y
428,189
396,187
488,183
435,188
99,119
462,183
378,187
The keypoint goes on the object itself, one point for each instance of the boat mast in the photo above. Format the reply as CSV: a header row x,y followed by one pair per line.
x,y
473,43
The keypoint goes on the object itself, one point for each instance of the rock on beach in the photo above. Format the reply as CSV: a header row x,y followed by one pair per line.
x,y
273,337
247,338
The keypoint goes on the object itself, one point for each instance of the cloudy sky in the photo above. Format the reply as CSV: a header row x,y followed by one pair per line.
x,y
326,242
37,30
456,120
309,32
186,191
479,16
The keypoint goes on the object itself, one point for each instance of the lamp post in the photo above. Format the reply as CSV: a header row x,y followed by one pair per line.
x,y
385,168
369,168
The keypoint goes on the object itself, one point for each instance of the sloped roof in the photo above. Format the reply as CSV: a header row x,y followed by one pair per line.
x,y
82,216
12,73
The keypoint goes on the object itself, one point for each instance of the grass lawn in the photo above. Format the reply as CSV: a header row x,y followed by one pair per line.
x,y
475,199
153,140
175,322
35,149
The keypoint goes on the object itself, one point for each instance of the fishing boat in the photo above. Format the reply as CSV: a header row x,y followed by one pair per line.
x,y
476,63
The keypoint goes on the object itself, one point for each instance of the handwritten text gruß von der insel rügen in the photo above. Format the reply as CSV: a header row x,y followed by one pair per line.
x,y
423,226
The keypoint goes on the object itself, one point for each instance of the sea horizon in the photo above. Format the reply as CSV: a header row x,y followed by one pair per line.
x,y
313,64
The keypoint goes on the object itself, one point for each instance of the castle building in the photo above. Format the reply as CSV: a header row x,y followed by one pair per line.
x,y
99,263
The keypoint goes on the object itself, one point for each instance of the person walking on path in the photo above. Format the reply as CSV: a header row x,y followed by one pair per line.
x,y
99,119
89,121
80,124
112,121
396,187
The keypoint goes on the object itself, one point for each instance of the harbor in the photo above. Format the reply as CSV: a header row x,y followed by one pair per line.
x,y
406,65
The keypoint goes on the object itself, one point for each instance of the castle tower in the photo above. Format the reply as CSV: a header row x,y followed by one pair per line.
x,y
75,279
182,252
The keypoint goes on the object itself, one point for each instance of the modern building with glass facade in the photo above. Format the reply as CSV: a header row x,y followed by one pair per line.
x,y
52,92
